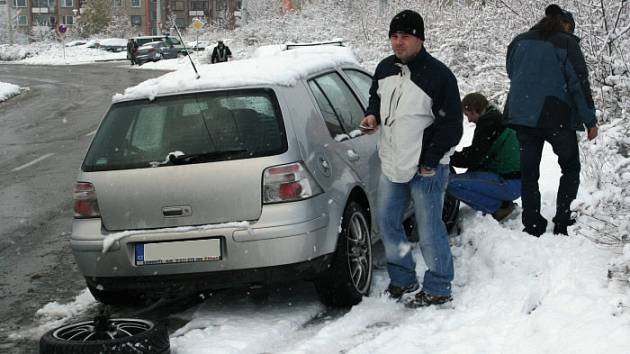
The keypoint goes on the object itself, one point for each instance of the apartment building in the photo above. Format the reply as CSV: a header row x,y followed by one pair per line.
x,y
147,16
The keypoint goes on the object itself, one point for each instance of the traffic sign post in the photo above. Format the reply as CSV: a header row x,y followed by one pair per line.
x,y
62,32
197,26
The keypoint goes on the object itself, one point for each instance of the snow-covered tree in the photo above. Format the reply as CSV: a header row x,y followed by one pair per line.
x,y
120,23
96,16
8,19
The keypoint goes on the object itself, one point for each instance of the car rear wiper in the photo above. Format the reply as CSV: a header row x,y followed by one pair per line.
x,y
203,157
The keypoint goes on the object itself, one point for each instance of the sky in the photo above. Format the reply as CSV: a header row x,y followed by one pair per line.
x,y
513,293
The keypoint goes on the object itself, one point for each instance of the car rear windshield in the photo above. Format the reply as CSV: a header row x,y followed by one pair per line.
x,y
191,128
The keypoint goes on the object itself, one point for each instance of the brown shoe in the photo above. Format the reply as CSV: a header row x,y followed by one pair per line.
x,y
504,211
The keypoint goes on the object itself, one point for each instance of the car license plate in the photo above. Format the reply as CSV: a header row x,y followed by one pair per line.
x,y
178,252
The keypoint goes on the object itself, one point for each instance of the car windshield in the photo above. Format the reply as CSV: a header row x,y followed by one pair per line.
x,y
191,128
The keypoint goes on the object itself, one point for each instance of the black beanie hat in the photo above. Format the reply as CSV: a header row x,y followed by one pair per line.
x,y
409,22
555,10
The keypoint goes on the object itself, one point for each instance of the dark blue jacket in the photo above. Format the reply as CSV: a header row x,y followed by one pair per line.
x,y
440,87
549,83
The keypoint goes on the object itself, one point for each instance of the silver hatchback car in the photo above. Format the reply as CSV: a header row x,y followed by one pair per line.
x,y
253,173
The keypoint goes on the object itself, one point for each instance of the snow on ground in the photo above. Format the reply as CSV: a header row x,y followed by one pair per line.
x,y
51,53
513,293
8,90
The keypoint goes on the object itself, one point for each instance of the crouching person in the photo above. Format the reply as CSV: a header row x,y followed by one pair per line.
x,y
492,180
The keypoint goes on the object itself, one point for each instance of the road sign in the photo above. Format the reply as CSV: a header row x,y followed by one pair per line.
x,y
62,28
197,24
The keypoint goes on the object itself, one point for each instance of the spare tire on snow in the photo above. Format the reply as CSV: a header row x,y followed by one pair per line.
x,y
107,335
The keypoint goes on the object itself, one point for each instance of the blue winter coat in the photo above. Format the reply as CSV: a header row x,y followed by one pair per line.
x,y
549,83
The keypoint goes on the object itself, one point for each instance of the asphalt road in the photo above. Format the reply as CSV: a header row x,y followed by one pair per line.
x,y
44,134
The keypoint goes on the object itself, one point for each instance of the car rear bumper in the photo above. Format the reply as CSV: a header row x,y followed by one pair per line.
x,y
261,245
191,282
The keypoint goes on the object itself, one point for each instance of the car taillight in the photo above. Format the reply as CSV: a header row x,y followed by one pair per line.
x,y
85,202
287,183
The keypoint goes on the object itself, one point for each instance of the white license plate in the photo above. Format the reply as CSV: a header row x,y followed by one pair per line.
x,y
178,252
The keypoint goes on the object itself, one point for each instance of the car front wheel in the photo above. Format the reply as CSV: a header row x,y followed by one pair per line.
x,y
350,275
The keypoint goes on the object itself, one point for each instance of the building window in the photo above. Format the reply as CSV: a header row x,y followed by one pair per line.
x,y
135,3
179,6
22,20
136,20
199,5
67,3
41,20
68,20
118,3
180,22
43,3
20,3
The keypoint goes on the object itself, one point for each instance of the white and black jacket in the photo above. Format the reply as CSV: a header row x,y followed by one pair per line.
x,y
419,110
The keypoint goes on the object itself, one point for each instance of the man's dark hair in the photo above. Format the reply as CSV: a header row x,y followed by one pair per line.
x,y
554,21
475,102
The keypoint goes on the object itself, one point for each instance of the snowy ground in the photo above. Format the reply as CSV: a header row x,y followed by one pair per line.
x,y
8,90
513,293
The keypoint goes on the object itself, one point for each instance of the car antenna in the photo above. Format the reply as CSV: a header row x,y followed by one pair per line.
x,y
186,49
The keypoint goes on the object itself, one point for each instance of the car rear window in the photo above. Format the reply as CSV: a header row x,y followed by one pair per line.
x,y
219,125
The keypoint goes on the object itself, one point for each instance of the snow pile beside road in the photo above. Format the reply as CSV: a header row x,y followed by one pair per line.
x,y
15,52
54,314
8,90
52,53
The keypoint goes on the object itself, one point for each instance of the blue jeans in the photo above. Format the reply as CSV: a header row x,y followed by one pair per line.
x,y
483,191
427,194
565,146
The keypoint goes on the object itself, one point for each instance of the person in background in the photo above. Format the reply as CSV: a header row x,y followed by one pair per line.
x,y
492,180
220,53
549,99
131,51
414,102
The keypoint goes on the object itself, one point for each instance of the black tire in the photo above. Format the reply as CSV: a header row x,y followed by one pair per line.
x,y
122,336
122,297
350,275
450,211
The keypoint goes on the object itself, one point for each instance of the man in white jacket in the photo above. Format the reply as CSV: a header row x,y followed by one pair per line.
x,y
415,103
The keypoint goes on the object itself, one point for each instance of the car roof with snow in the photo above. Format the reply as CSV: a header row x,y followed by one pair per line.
x,y
269,66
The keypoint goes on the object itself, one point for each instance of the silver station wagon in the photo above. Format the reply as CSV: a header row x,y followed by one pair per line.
x,y
253,173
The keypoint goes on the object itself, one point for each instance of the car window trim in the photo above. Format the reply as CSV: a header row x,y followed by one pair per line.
x,y
354,86
352,91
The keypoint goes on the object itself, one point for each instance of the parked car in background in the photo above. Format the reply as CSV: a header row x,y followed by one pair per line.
x,y
92,43
113,44
197,45
142,40
154,51
254,173
75,43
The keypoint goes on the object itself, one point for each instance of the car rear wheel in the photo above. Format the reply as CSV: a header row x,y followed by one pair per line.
x,y
350,275
107,335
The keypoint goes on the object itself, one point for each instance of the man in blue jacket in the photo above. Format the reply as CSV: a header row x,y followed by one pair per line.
x,y
414,102
549,99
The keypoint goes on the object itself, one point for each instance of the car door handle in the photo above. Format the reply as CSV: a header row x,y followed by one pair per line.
x,y
352,155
